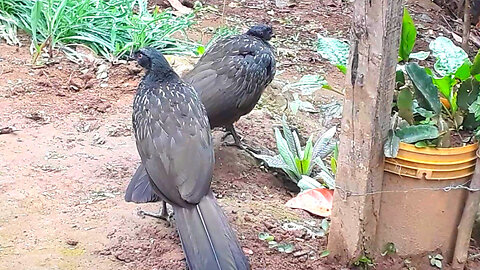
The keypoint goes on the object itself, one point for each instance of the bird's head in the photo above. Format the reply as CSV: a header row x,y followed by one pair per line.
x,y
152,60
262,31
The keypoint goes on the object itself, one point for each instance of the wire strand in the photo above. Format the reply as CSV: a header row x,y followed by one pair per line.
x,y
348,193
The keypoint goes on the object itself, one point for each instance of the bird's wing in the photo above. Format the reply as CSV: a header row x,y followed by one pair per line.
x,y
174,142
235,71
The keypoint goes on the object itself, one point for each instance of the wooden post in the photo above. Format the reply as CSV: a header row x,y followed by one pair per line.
x,y
369,90
466,223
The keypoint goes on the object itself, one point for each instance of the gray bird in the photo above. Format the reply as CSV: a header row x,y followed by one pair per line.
x,y
232,74
174,141
230,78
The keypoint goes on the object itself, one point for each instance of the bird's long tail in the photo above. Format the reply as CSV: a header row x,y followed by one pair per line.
x,y
207,240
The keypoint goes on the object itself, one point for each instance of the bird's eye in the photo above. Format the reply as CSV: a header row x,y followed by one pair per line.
x,y
139,56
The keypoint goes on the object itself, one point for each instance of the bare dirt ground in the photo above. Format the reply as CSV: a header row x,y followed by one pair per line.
x,y
64,172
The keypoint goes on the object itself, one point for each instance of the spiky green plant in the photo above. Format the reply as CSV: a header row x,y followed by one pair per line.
x,y
298,162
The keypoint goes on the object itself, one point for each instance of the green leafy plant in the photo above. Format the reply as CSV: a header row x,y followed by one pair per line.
x,y
430,104
436,260
110,28
334,50
389,249
298,162
364,262
282,247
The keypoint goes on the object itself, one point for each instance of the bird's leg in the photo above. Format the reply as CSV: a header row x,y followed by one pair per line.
x,y
230,129
162,214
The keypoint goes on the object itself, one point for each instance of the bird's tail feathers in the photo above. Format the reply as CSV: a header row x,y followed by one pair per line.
x,y
140,189
207,239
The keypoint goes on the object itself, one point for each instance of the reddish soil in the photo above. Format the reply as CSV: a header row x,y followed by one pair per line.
x,y
64,171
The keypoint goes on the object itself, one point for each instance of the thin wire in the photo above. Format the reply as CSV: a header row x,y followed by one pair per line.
x,y
348,193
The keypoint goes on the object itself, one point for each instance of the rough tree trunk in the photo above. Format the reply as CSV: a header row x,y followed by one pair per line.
x,y
366,116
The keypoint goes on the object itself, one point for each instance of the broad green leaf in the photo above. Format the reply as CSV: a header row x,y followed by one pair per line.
x,y
200,50
469,122
449,56
285,247
297,140
325,224
446,86
405,105
475,69
288,135
308,84
333,165
413,134
272,244
324,144
400,78
421,111
408,36
265,236
327,179
307,156
272,162
421,144
307,183
285,153
467,93
325,253
391,146
342,68
427,93
475,109
334,50
463,72
422,55
35,18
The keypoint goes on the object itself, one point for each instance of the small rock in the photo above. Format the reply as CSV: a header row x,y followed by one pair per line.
x,y
268,225
89,84
103,85
300,253
77,82
234,211
247,251
72,242
248,218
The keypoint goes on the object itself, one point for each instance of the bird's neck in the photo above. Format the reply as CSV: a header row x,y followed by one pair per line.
x,y
160,75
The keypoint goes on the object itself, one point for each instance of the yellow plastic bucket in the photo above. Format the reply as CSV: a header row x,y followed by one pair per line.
x,y
417,214
433,163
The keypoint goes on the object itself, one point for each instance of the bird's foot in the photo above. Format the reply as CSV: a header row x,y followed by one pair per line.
x,y
243,146
164,214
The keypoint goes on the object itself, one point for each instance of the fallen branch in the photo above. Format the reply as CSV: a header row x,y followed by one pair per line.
x,y
6,130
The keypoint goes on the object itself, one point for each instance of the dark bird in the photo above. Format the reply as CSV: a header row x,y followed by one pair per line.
x,y
232,74
174,141
229,78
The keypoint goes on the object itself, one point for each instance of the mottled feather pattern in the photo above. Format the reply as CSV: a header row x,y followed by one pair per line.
x,y
172,129
235,70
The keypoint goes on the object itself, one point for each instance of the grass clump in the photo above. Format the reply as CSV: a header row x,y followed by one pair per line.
x,y
110,28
